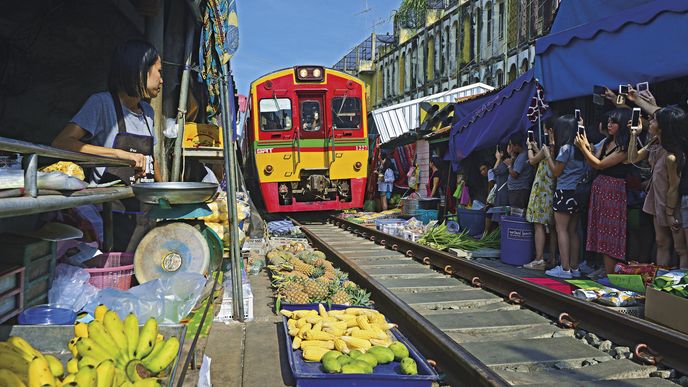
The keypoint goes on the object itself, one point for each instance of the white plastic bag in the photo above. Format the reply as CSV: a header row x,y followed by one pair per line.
x,y
71,287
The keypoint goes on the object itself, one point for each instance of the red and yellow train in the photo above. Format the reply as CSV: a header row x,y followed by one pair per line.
x,y
307,140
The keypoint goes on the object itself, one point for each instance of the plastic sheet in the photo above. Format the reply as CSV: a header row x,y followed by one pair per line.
x,y
71,288
169,299
12,178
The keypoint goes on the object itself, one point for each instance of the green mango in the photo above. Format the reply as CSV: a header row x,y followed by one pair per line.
x,y
355,353
383,355
409,366
400,350
368,358
344,359
352,368
365,366
331,354
331,366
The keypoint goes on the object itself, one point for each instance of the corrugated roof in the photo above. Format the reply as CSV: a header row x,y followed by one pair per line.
x,y
393,121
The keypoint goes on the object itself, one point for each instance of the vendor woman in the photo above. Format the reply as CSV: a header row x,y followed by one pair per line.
x,y
119,123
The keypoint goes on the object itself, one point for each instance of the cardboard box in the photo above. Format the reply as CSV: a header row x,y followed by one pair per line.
x,y
202,135
666,309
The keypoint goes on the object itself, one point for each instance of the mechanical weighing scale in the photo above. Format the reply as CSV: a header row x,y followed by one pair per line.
x,y
178,243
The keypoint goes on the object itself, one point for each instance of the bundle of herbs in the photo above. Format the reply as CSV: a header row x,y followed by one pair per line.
x,y
440,238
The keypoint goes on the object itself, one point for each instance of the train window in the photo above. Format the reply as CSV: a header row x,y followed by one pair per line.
x,y
310,116
346,113
275,114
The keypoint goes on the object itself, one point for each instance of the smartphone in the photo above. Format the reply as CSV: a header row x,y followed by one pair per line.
x,y
642,86
620,99
531,136
598,90
623,89
581,129
635,118
598,99
546,138
577,115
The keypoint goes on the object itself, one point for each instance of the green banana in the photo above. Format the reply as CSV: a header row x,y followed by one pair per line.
x,y
136,371
115,327
149,334
9,378
164,357
55,365
105,373
97,332
86,377
88,347
131,330
39,373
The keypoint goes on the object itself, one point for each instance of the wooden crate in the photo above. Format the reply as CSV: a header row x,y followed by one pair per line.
x,y
11,291
35,255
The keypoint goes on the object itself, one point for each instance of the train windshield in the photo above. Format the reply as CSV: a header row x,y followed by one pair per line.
x,y
275,114
310,116
346,112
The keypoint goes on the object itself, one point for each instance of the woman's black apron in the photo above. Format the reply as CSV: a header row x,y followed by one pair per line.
x,y
125,220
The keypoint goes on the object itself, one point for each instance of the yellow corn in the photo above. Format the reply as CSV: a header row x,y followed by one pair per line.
x,y
317,335
384,342
314,319
363,322
304,329
301,322
329,319
378,331
385,326
368,334
341,346
291,323
314,353
335,332
286,313
355,311
293,332
356,343
322,311
352,323
318,327
329,344
300,313
335,325
296,344
377,318
312,313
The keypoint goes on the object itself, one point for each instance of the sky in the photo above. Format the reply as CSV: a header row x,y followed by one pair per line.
x,y
275,34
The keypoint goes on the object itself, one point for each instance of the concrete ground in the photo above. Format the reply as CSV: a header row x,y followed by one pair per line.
x,y
250,353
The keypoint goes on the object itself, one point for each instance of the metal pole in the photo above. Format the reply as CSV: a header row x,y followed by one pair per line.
x,y
183,97
228,114
31,175
155,33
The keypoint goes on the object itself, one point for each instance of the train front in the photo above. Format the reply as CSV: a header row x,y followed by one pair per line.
x,y
310,139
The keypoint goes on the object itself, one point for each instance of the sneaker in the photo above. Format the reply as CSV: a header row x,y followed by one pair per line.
x,y
585,269
597,274
535,265
559,272
576,273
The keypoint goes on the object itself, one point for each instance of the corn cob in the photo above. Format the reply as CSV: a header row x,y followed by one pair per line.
x,y
335,332
293,332
304,329
296,344
363,322
341,346
317,335
286,313
368,334
317,327
314,353
383,342
356,343
301,322
329,344
322,311
336,325
291,323
314,319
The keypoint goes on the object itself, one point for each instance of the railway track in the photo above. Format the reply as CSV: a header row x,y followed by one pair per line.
x,y
483,327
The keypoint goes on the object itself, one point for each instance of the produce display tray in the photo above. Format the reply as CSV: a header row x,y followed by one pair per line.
x,y
311,374
53,339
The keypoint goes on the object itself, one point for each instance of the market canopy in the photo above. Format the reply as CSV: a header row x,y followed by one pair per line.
x,y
612,42
496,117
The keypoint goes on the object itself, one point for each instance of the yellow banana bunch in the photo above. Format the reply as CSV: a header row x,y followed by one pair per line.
x,y
9,378
159,360
39,373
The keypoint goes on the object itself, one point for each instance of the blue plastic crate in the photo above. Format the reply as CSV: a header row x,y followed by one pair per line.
x,y
426,216
311,374
380,222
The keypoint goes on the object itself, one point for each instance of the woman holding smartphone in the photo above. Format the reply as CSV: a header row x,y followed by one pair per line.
x,y
667,158
539,210
607,213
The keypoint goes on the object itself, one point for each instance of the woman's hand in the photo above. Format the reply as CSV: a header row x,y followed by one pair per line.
x,y
508,161
545,150
532,145
610,95
581,141
647,96
138,159
498,155
675,223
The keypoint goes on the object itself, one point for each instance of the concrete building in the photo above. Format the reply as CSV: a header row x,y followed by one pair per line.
x,y
455,43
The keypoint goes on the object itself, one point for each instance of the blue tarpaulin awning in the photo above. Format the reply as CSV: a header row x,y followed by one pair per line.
x,y
612,42
493,119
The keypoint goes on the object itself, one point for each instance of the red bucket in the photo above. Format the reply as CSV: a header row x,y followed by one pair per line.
x,y
111,270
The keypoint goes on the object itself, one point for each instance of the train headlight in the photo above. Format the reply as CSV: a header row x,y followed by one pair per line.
x,y
303,73
316,73
268,170
357,166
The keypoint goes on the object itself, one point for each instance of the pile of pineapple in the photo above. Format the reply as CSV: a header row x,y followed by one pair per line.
x,y
302,276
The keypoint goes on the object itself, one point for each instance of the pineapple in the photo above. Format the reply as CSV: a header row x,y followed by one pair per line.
x,y
341,297
302,266
318,290
296,297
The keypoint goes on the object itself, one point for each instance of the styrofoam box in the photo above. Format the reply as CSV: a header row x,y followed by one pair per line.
x,y
226,313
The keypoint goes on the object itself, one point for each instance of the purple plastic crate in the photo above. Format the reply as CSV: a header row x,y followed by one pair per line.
x,y
311,374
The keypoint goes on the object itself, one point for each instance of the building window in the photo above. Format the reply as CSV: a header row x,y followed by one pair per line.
x,y
479,34
501,21
489,23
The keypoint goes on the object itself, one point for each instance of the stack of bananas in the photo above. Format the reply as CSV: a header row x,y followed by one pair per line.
x,y
106,352
316,332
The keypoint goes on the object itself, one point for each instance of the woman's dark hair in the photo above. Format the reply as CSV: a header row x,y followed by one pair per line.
x,y
565,129
387,164
621,117
436,160
673,124
129,67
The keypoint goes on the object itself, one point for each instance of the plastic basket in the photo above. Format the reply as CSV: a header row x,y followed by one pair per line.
x,y
111,270
426,216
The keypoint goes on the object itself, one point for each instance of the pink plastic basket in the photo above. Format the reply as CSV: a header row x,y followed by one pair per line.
x,y
111,270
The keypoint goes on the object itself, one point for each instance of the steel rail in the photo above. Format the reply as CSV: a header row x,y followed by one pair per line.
x,y
457,366
670,346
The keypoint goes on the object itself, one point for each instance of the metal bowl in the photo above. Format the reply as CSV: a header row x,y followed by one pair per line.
x,y
175,192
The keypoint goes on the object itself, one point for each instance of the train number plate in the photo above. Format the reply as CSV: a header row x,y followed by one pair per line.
x,y
361,147
264,150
